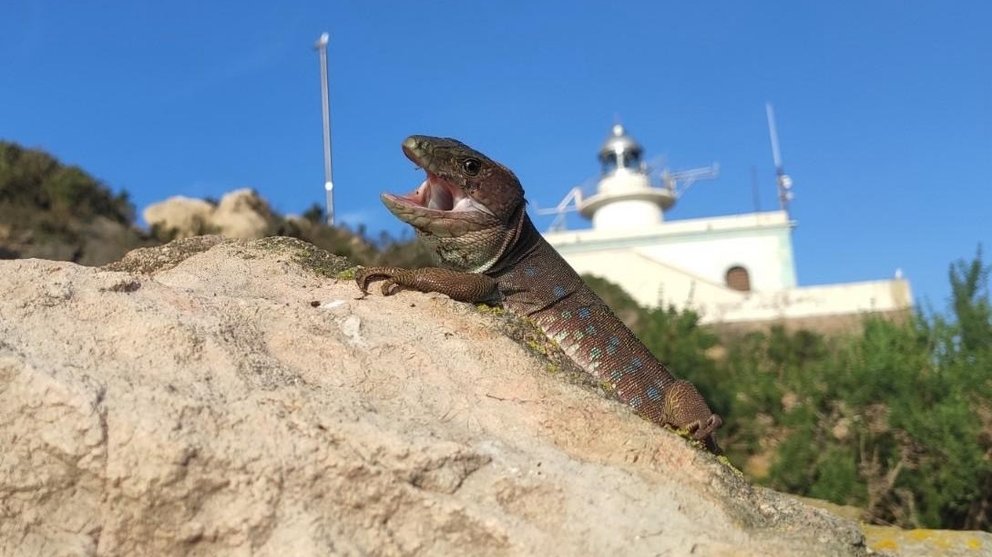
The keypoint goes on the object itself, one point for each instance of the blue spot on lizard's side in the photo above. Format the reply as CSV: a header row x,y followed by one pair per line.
x,y
632,366
530,271
612,345
559,292
653,393
585,312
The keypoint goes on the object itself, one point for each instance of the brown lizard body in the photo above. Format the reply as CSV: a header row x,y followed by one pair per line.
x,y
471,210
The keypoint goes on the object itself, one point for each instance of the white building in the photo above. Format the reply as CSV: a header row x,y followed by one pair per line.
x,y
735,269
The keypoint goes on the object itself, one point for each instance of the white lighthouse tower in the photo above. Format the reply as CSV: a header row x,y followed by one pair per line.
x,y
624,198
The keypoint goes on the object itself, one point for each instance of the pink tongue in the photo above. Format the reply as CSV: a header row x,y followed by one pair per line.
x,y
440,198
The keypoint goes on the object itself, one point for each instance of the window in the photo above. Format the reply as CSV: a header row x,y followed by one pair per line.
x,y
632,161
738,279
610,163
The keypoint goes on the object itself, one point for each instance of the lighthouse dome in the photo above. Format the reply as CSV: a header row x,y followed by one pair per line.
x,y
620,151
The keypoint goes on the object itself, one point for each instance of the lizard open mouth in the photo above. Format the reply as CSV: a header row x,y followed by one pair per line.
x,y
435,193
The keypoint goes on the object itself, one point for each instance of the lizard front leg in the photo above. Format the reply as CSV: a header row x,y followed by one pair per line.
x,y
464,287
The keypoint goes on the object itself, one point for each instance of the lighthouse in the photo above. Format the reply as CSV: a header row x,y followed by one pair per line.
x,y
735,270
624,197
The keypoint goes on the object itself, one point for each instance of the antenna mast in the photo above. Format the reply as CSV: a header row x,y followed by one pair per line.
x,y
783,181
321,47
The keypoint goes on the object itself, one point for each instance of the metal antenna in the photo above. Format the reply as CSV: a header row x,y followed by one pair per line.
x,y
783,180
321,47
776,156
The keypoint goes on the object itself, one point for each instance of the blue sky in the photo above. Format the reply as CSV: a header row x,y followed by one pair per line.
x,y
884,108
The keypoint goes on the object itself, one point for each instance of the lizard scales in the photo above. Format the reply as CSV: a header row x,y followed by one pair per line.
x,y
471,211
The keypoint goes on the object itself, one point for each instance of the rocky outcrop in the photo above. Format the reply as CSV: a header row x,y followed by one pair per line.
x,y
240,214
243,214
180,215
214,397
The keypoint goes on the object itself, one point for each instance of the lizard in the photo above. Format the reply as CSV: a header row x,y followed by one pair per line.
x,y
471,212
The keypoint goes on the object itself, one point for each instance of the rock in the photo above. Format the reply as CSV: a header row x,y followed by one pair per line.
x,y
240,214
243,214
925,543
214,397
185,216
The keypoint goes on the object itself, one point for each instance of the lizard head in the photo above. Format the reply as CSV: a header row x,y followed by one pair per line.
x,y
465,208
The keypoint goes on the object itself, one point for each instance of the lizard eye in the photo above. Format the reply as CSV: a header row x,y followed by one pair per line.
x,y
471,166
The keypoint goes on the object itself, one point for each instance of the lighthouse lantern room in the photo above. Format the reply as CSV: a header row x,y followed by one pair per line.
x,y
624,197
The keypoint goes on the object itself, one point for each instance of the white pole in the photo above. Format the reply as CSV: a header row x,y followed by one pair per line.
x,y
783,181
776,157
321,47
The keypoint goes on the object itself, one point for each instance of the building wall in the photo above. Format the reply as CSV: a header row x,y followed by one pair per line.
x,y
857,298
766,253
650,282
684,263
832,324
707,248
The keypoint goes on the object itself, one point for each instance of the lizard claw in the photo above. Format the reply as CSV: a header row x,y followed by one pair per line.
x,y
701,431
704,432
389,287
362,279
367,275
